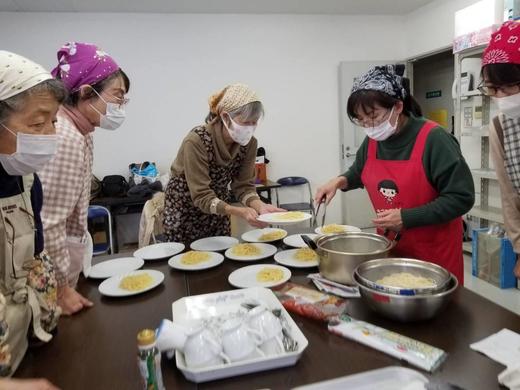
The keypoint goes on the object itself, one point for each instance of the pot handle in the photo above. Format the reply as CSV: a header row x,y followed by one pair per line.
x,y
397,236
309,241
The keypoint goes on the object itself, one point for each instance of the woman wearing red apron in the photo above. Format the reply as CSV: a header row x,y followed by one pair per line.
x,y
417,180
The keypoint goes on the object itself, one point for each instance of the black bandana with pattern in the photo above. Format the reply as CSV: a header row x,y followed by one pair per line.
x,y
387,79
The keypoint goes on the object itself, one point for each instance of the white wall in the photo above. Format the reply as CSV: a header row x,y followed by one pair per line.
x,y
431,28
176,61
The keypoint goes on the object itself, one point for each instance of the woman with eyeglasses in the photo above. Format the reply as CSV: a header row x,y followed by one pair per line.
x,y
29,313
501,81
413,170
97,87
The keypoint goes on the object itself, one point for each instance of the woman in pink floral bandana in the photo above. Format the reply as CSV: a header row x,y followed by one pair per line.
x,y
501,81
97,87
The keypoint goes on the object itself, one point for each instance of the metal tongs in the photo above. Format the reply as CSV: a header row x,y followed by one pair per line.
x,y
315,221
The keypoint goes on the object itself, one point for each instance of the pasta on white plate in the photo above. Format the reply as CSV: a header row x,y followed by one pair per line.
x,y
272,236
195,257
290,216
305,254
269,274
136,282
246,250
333,228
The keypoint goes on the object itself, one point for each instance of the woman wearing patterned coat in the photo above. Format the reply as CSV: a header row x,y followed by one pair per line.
x,y
215,160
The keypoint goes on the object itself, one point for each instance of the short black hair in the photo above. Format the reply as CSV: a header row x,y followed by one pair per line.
x,y
74,97
388,184
501,74
367,99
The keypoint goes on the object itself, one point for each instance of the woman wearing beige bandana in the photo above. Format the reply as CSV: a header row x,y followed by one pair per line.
x,y
213,158
29,101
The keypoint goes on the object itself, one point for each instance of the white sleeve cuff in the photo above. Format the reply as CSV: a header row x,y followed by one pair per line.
x,y
213,206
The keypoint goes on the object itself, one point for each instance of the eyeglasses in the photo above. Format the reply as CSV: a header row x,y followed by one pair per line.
x,y
492,90
121,101
372,120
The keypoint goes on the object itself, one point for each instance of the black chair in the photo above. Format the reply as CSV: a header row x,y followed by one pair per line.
x,y
293,182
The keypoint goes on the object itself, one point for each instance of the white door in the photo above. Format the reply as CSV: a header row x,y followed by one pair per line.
x,y
356,206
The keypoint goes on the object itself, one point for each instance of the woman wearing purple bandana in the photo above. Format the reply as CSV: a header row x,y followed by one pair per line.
x,y
97,87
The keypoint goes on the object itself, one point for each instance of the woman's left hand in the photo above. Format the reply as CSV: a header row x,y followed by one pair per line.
x,y
389,219
268,208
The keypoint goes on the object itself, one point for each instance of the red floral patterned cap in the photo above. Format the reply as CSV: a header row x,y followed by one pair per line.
x,y
504,46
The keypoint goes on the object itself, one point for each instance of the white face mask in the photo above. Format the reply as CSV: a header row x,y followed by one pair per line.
x,y
241,134
382,131
32,153
509,105
114,117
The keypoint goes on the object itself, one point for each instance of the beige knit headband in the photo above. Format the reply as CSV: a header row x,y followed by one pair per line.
x,y
232,97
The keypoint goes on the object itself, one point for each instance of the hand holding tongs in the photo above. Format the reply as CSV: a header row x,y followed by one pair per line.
x,y
315,221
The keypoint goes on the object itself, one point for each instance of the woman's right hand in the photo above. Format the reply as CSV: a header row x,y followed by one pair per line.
x,y
327,191
247,213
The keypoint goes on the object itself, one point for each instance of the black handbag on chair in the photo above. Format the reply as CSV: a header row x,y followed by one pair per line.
x,y
114,186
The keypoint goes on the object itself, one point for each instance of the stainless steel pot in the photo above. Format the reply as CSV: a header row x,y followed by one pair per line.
x,y
340,254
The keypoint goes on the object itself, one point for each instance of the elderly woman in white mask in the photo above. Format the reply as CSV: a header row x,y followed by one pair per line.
x,y
29,101
214,157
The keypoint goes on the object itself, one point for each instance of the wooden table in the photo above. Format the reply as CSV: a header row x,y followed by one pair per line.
x,y
97,348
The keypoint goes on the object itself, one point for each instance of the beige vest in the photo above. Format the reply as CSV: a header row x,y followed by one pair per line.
x,y
17,229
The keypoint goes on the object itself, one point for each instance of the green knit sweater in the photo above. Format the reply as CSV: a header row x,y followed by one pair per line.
x,y
445,169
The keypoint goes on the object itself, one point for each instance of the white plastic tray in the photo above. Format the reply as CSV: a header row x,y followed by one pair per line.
x,y
189,309
388,378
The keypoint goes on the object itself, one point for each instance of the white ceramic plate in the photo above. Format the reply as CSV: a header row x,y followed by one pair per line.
x,y
109,268
267,250
277,218
245,277
288,258
254,235
159,251
295,240
346,228
214,244
110,287
214,260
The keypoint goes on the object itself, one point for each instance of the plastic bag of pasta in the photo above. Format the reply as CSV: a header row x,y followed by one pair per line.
x,y
309,302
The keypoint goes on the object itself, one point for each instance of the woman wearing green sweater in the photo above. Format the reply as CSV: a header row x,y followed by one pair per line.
x,y
412,169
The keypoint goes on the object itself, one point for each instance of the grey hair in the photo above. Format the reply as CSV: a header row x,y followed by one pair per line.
x,y
250,112
16,103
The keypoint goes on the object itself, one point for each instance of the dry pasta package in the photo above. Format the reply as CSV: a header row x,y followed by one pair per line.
x,y
309,302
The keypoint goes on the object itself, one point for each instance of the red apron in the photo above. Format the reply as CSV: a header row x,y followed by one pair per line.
x,y
403,184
